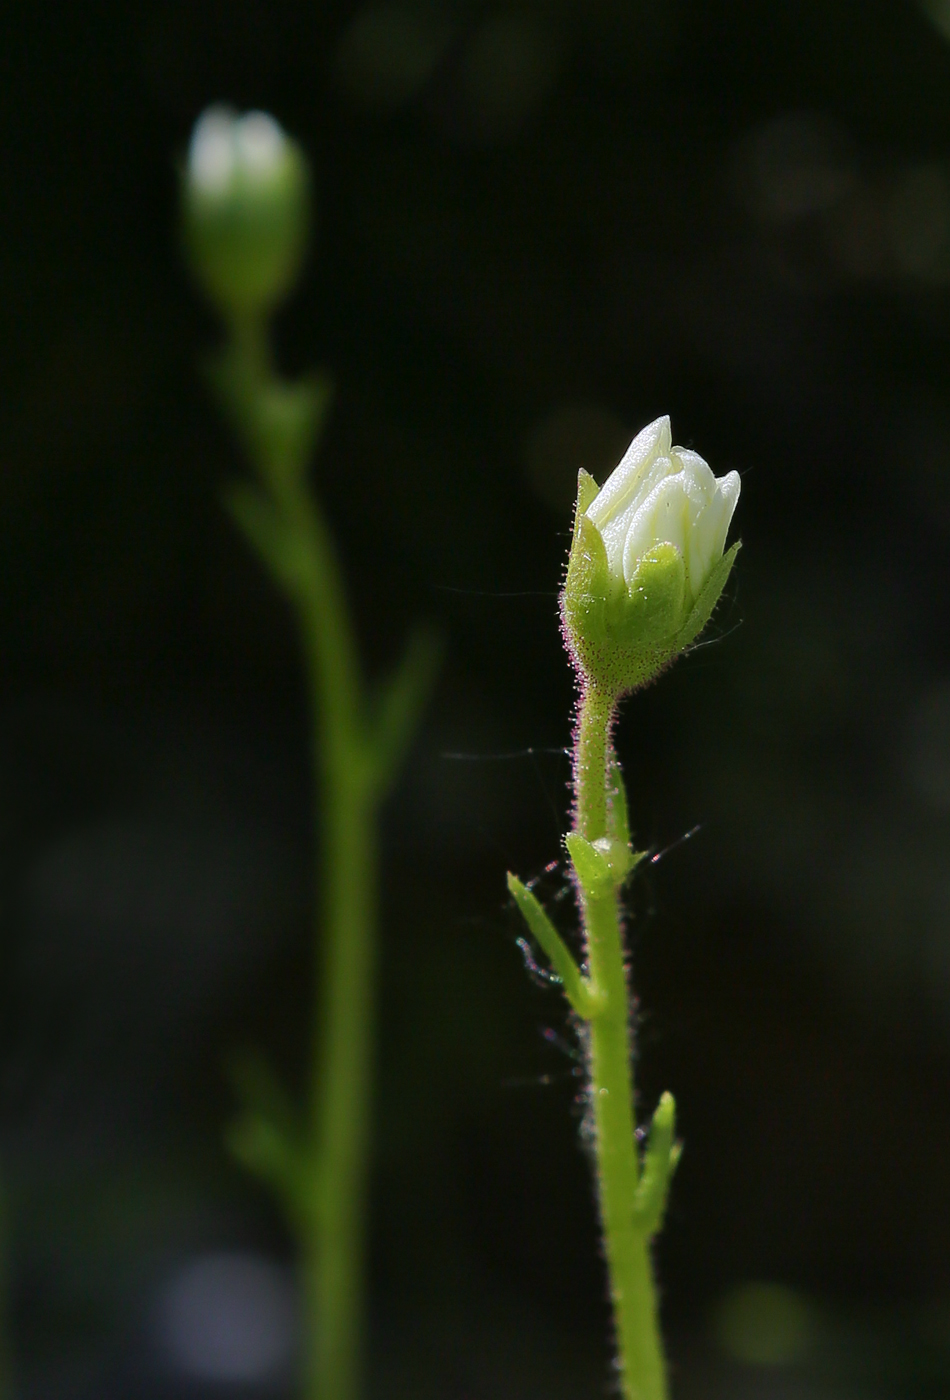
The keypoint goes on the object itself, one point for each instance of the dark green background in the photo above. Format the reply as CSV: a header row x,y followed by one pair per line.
x,y
539,227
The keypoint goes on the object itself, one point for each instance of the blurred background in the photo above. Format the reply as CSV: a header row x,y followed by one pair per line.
x,y
541,224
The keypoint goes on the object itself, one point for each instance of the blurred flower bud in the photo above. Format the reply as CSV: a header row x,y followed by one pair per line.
x,y
646,566
246,210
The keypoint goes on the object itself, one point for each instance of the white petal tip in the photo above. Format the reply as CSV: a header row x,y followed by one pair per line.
x,y
211,151
729,487
261,141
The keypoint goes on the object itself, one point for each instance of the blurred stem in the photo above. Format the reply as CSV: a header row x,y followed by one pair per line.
x,y
341,1066
632,1291
326,1190
251,344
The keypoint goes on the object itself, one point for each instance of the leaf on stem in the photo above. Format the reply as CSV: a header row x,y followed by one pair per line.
x,y
659,1163
400,705
286,422
590,865
281,548
259,1089
266,1136
278,423
256,1143
578,990
603,865
618,819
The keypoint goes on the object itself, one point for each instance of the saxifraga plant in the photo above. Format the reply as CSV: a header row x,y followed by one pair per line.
x,y
645,571
246,215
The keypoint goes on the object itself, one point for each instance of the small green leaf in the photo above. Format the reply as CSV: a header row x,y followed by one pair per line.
x,y
400,705
282,549
591,866
659,1163
618,820
266,1137
258,1145
285,423
279,424
585,1000
619,857
260,1090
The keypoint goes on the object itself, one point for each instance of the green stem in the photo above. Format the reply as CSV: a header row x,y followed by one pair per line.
x,y
251,342
330,1210
640,1358
341,1071
322,1172
334,1244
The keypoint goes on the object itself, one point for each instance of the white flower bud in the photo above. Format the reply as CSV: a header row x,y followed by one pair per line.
x,y
646,566
660,494
246,204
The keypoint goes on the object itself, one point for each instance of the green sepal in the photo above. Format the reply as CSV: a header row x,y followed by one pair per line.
x,y
622,636
584,998
659,1163
707,600
652,613
587,493
621,640
586,588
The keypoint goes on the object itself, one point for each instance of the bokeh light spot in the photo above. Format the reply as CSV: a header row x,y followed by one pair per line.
x,y
764,1324
388,53
511,65
796,165
927,748
228,1317
919,220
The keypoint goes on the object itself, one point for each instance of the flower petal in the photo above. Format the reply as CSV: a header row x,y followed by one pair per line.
x,y
706,533
625,479
696,468
212,156
729,487
664,517
617,528
709,533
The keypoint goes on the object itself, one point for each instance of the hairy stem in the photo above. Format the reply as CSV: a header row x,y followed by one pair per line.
x,y
640,1355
